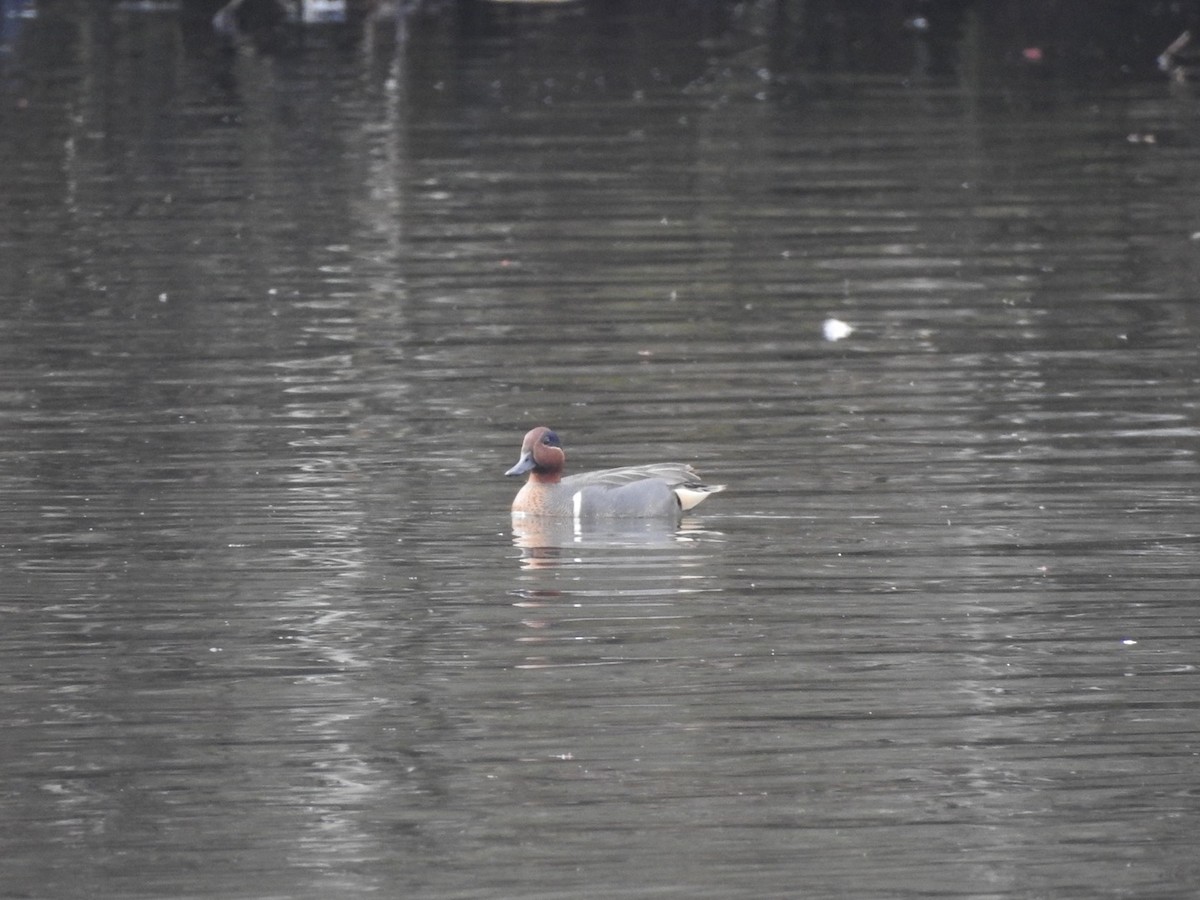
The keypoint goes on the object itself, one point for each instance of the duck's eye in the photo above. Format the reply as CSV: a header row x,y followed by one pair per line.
x,y
551,439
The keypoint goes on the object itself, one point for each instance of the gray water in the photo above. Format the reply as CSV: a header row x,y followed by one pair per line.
x,y
272,326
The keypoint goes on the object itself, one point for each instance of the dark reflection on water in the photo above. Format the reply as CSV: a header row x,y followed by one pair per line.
x,y
272,326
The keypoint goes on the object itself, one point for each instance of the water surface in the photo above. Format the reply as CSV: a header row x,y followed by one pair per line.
x,y
273,326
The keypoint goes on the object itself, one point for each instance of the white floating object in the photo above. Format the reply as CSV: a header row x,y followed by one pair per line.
x,y
319,12
835,329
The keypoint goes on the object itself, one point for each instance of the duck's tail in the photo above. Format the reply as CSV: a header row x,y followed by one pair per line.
x,y
692,493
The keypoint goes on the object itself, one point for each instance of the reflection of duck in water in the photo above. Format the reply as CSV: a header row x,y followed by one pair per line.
x,y
659,490
546,541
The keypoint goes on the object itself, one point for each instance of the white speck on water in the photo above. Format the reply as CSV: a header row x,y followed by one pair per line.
x,y
836,329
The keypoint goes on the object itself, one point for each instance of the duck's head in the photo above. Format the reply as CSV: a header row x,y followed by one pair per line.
x,y
542,454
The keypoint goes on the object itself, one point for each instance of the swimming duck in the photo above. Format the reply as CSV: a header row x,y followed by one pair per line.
x,y
658,490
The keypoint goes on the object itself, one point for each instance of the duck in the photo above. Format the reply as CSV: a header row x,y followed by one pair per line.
x,y
658,490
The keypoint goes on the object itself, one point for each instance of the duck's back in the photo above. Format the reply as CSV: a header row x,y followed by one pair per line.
x,y
658,490
670,474
645,498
